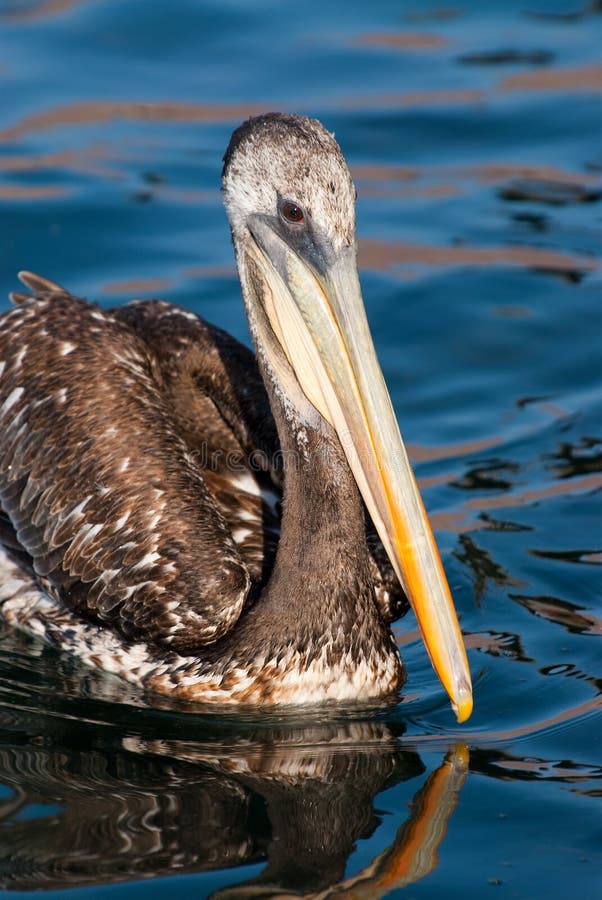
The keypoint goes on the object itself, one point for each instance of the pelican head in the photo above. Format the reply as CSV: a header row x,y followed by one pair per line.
x,y
291,203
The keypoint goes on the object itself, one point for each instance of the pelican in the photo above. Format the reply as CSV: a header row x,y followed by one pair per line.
x,y
208,524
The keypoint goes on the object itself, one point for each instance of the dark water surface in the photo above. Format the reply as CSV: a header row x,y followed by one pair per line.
x,y
474,135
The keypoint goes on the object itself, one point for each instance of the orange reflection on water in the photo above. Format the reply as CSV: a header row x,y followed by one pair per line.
x,y
187,195
486,172
32,192
438,97
460,520
420,453
86,159
579,79
593,558
147,286
409,192
382,255
414,853
541,172
43,9
385,172
584,79
402,40
568,615
557,489
210,272
96,112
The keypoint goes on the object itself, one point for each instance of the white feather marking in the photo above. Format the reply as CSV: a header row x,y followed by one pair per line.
x,y
147,560
88,532
77,510
246,515
244,481
20,356
11,400
186,314
121,522
155,518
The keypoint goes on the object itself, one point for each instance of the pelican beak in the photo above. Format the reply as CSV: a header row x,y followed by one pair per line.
x,y
315,308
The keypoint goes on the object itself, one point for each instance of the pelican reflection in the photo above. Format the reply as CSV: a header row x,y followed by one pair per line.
x,y
295,798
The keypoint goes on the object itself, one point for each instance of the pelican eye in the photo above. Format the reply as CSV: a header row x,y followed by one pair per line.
x,y
291,212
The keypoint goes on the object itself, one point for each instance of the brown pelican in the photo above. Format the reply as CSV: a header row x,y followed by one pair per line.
x,y
142,452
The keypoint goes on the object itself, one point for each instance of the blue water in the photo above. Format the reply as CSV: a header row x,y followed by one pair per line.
x,y
473,132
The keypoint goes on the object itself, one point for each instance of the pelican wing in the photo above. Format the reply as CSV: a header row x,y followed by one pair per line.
x,y
101,488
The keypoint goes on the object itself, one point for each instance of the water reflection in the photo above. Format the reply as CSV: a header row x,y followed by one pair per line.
x,y
297,798
576,619
388,256
506,766
483,568
41,9
402,40
582,457
98,803
508,56
505,644
568,15
556,193
100,112
581,79
487,476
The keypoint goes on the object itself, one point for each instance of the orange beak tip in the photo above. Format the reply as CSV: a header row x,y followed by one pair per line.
x,y
463,705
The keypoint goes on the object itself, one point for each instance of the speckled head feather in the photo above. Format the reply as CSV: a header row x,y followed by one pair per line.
x,y
281,157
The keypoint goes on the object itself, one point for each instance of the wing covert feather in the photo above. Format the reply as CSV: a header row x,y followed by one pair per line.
x,y
100,488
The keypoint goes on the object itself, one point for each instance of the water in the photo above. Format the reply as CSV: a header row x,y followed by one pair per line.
x,y
474,136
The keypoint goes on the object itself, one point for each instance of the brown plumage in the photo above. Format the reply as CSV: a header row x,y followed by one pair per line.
x,y
123,466
174,418
184,514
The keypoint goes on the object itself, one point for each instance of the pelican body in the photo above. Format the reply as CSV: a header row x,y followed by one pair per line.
x,y
211,524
